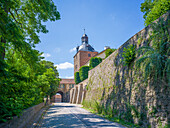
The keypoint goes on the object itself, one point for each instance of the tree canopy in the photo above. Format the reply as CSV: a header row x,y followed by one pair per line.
x,y
153,9
21,21
24,79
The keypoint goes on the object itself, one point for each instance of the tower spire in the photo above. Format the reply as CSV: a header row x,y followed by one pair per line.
x,y
84,38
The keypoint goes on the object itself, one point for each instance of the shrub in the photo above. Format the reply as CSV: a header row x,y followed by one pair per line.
x,y
109,51
94,61
77,77
83,72
128,54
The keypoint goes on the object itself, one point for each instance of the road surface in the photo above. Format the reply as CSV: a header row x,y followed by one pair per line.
x,y
65,115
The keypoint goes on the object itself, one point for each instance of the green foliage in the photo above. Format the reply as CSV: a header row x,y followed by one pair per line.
x,y
110,113
153,9
24,79
98,107
77,77
109,51
83,72
21,21
128,55
154,60
22,86
94,61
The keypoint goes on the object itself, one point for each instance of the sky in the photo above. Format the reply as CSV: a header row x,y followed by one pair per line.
x,y
106,23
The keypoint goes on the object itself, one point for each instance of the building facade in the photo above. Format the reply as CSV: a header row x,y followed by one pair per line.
x,y
63,91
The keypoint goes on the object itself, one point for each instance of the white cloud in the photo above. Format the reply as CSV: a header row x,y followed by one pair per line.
x,y
69,77
73,49
46,55
65,65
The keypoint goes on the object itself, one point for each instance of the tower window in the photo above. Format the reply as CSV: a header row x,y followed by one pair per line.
x,y
89,55
71,85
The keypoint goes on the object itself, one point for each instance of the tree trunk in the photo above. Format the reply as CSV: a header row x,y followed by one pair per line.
x,y
2,49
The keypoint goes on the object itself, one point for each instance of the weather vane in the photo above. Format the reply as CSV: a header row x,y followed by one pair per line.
x,y
84,30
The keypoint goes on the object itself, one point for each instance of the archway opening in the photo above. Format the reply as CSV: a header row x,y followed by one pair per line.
x,y
59,97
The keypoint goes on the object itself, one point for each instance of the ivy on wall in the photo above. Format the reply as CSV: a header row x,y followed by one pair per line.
x,y
128,55
154,60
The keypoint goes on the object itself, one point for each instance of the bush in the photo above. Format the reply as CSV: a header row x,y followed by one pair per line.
x,y
83,72
153,9
77,77
109,51
94,61
129,54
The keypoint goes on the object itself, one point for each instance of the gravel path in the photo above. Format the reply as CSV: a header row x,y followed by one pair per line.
x,y
65,115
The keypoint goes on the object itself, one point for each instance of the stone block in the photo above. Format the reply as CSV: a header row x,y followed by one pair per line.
x,y
79,95
75,95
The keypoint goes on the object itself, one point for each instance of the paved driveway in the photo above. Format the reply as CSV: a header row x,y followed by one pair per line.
x,y
65,115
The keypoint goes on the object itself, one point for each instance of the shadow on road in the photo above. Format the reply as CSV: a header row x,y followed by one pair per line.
x,y
64,115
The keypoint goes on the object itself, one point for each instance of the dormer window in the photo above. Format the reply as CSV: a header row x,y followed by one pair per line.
x,y
89,55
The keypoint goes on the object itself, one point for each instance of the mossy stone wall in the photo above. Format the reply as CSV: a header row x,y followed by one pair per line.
x,y
121,88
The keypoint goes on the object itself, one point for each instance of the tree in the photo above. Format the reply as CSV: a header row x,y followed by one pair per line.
x,y
24,79
21,21
77,77
52,77
18,88
94,61
109,51
153,9
22,86
83,72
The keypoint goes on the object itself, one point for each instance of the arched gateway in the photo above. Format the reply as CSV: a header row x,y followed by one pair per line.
x,y
59,97
63,93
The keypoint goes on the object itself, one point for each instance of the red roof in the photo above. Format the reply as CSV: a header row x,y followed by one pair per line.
x,y
67,81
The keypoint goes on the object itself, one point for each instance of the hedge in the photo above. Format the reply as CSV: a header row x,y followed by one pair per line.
x,y
94,61
77,77
83,72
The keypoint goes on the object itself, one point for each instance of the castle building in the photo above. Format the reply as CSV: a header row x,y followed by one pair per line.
x,y
84,52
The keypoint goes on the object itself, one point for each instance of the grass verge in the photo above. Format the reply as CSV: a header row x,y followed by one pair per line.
x,y
114,119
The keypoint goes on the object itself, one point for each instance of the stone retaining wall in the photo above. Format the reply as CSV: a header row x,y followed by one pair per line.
x,y
120,88
77,94
24,119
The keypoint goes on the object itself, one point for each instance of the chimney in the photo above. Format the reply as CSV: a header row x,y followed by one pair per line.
x,y
77,48
106,47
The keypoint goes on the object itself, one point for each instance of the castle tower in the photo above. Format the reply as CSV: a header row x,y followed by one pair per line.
x,y
84,52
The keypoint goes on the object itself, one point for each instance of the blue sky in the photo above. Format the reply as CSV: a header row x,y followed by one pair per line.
x,y
107,23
